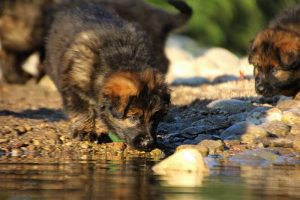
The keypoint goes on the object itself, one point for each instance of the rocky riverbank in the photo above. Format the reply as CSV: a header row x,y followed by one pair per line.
x,y
221,116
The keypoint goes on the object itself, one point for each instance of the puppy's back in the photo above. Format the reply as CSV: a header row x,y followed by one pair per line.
x,y
289,20
88,33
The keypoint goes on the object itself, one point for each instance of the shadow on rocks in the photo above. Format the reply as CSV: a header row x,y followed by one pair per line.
x,y
52,115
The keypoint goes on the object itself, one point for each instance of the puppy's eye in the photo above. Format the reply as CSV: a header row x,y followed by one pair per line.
x,y
133,118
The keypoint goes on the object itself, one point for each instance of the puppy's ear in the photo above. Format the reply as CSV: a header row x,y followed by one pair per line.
x,y
118,89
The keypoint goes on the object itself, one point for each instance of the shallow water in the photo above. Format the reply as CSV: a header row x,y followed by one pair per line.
x,y
133,179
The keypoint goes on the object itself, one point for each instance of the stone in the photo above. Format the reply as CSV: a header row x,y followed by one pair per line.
x,y
224,59
16,152
3,140
186,43
258,157
260,115
291,116
207,68
157,153
244,131
47,83
238,117
231,106
288,104
203,150
31,64
188,160
296,145
245,68
276,128
282,142
214,146
295,130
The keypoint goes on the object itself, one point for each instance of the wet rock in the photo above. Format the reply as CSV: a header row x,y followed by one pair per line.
x,y
16,152
118,146
276,128
23,129
282,142
84,145
194,131
230,105
3,140
202,137
257,157
260,115
230,143
296,145
245,132
189,160
157,153
238,117
36,142
291,116
295,130
214,146
288,104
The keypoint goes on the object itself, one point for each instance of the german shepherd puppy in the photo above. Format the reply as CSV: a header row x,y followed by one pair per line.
x,y
275,54
103,67
25,23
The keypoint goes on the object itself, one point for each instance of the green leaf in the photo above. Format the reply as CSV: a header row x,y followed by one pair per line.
x,y
114,137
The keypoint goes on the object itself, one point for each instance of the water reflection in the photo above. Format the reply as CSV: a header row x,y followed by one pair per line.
x,y
133,179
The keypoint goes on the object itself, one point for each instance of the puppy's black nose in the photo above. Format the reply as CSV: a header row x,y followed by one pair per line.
x,y
143,142
260,88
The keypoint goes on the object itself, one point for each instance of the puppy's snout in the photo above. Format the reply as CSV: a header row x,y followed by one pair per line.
x,y
260,88
143,142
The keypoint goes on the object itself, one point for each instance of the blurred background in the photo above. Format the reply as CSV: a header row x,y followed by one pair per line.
x,y
231,24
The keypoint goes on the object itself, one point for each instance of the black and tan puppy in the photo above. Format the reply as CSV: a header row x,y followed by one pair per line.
x,y
275,54
103,67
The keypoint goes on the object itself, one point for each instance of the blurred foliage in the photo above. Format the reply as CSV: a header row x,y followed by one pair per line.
x,y
229,23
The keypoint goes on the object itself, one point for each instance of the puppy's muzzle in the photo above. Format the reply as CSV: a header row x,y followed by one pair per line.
x,y
143,142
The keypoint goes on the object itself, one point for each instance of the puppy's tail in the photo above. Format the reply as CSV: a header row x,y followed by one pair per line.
x,y
185,12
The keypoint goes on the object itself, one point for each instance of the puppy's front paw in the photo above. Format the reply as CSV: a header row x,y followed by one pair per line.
x,y
84,135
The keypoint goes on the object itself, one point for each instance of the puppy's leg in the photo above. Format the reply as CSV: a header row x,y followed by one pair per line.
x,y
82,115
11,66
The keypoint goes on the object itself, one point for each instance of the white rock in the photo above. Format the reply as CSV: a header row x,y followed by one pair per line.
x,y
224,59
245,67
261,115
185,168
188,160
230,105
185,43
47,83
31,64
207,68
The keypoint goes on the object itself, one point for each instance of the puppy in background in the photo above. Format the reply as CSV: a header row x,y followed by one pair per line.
x,y
22,32
275,54
104,68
